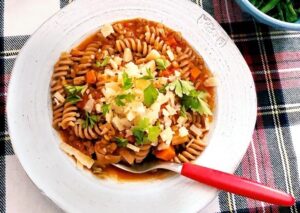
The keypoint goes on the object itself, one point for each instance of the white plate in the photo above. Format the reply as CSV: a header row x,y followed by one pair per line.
x,y
36,143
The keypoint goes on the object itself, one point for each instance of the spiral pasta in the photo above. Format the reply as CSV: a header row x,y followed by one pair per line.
x,y
133,91
69,116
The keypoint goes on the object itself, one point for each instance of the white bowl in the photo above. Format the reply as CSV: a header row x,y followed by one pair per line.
x,y
36,143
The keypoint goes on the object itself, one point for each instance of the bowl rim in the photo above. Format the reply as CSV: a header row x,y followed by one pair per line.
x,y
266,18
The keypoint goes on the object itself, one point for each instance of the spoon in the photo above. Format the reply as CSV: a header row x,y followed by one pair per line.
x,y
220,180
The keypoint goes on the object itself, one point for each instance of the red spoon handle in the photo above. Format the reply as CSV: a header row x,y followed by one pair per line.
x,y
236,185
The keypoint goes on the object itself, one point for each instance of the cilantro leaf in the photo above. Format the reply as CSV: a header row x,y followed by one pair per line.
x,y
73,93
153,133
181,87
196,101
139,131
145,133
183,111
163,89
150,95
161,63
149,75
127,82
121,142
120,99
90,120
105,109
140,136
143,124
103,63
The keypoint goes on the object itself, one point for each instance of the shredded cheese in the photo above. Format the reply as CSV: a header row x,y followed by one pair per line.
x,y
132,147
59,97
106,30
82,158
170,55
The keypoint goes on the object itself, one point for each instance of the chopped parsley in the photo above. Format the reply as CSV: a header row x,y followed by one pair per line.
x,y
181,87
145,133
150,95
149,75
127,82
90,120
161,63
121,142
73,93
122,99
196,101
105,109
103,63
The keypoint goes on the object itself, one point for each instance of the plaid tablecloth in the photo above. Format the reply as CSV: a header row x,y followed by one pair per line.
x,y
273,56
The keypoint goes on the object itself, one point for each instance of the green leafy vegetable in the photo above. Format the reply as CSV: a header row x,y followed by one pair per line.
x,y
162,64
103,63
196,101
127,82
149,75
285,10
181,87
121,142
183,111
140,136
121,99
150,95
145,133
73,93
105,109
163,89
90,120
153,133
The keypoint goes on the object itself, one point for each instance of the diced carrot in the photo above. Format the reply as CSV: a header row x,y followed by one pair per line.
x,y
171,41
195,72
91,77
167,72
82,103
166,154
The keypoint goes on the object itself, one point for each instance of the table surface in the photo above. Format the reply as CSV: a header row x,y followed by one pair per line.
x,y
273,56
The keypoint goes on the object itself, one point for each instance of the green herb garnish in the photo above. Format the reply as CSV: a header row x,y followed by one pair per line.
x,y
145,133
149,75
105,109
153,133
196,101
103,63
121,99
121,142
73,93
150,95
127,82
181,87
90,120
162,64
183,111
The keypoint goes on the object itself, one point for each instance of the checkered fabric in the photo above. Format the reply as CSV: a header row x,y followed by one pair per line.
x,y
273,56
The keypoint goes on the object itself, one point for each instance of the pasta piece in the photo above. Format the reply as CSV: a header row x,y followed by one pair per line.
x,y
142,154
191,152
69,115
82,158
136,45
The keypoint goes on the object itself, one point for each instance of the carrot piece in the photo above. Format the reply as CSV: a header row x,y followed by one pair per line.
x,y
171,41
91,77
166,154
195,72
